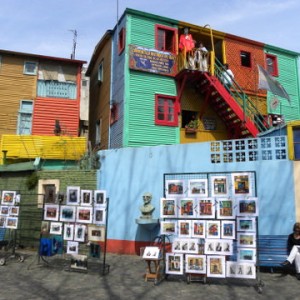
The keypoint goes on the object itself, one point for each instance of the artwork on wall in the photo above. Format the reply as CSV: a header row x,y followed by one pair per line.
x,y
246,254
72,247
73,195
56,228
79,232
67,213
227,229
100,198
168,208
184,228
51,212
213,229
152,253
96,233
79,262
216,266
12,222
246,239
198,228
57,244
225,208
241,184
2,221
8,197
247,224
185,246
240,270
13,210
197,188
4,210
168,227
69,232
219,186
186,208
84,214
218,247
174,263
247,207
99,215
205,208
195,264
86,197
174,188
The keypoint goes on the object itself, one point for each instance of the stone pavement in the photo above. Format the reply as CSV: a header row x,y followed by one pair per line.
x,y
34,279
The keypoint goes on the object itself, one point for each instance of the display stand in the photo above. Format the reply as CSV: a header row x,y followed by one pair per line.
x,y
153,270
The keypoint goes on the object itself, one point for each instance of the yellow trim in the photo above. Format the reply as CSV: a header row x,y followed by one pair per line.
x,y
290,138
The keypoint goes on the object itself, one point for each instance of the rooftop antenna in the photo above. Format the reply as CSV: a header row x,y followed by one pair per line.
x,y
74,43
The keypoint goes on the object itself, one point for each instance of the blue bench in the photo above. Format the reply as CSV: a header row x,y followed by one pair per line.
x,y
272,250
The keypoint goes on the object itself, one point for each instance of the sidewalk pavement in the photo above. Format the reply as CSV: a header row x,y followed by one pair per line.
x,y
34,279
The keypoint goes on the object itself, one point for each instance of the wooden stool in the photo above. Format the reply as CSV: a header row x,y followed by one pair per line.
x,y
153,273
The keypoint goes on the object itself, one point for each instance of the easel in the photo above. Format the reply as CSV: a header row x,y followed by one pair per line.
x,y
153,273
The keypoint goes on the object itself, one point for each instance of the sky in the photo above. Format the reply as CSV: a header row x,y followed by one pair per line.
x,y
46,27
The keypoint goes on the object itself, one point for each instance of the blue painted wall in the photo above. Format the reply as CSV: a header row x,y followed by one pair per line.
x,y
126,174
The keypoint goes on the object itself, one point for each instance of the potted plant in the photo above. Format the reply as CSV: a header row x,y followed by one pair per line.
x,y
192,126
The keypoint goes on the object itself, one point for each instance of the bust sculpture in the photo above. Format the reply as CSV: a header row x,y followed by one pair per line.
x,y
147,209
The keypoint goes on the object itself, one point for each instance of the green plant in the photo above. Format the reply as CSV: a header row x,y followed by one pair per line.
x,y
32,181
193,124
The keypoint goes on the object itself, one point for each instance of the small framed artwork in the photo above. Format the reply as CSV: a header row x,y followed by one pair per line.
x,y
241,184
4,210
247,207
2,221
79,262
72,247
45,227
152,253
168,227
84,214
168,208
195,264
213,229
193,246
246,224
216,266
99,215
219,186
198,229
176,245
197,188
67,213
240,270
68,232
57,244
218,247
12,222
246,239
56,228
14,210
51,212
73,195
8,197
86,197
205,208
246,255
184,228
228,229
96,233
100,197
175,188
79,232
174,263
186,208
225,208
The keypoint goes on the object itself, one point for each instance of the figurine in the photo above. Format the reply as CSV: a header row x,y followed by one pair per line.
x,y
147,209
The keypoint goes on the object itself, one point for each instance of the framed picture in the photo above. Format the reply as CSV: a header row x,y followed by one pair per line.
x,y
175,188
4,210
86,197
198,229
168,227
152,253
225,208
72,247
197,188
184,228
205,208
218,246
246,239
99,215
73,195
79,262
195,264
246,224
69,232
181,245
51,212
174,263
57,244
79,232
45,227
8,198
186,208
247,207
67,213
216,266
168,208
241,184
246,255
100,197
84,214
228,229
240,270
2,221
219,186
12,222
56,228
213,229
96,233
14,210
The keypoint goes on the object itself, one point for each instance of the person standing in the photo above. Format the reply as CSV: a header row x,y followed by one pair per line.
x,y
227,77
186,45
201,57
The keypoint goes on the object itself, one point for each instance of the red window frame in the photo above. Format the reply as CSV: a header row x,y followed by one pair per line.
x,y
166,110
121,40
274,69
164,36
114,113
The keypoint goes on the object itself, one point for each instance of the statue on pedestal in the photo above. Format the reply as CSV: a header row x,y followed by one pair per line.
x,y
147,209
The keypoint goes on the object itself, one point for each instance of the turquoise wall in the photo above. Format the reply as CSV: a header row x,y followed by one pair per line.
x,y
126,174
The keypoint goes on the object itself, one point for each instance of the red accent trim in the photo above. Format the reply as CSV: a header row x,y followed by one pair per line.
x,y
174,37
165,122
275,64
121,40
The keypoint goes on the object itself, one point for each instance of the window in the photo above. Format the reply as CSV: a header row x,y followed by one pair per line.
x,y
165,110
25,117
272,66
246,59
98,132
296,137
114,113
165,38
30,68
100,72
121,41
